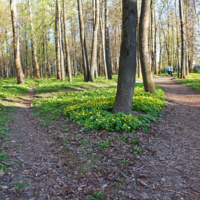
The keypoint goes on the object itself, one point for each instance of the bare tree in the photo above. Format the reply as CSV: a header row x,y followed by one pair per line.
x,y
20,78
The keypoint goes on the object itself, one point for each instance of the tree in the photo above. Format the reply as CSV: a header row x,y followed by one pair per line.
x,y
182,39
33,41
127,65
144,51
93,66
83,42
58,54
60,41
107,42
66,43
20,78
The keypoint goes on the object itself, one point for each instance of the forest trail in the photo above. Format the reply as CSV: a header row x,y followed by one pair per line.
x,y
171,171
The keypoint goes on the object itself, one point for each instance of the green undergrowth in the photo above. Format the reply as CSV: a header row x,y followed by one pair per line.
x,y
5,116
46,85
9,87
91,108
192,80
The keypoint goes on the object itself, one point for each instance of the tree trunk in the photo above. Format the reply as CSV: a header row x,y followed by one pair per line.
x,y
93,66
62,68
103,45
34,43
128,60
152,40
83,42
182,39
155,44
107,42
47,47
66,43
144,52
58,60
1,74
20,77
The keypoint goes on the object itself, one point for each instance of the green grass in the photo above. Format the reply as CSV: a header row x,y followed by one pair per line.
x,y
54,85
91,108
192,80
5,116
9,87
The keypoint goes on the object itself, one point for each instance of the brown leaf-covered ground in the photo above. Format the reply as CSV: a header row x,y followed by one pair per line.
x,y
60,161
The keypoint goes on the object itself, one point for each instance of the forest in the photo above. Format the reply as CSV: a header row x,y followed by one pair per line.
x,y
99,99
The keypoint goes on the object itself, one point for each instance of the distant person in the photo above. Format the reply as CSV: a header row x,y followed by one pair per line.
x,y
170,70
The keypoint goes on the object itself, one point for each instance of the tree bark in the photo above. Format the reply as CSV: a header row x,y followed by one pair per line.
x,y
144,52
155,44
66,43
103,45
93,66
34,43
58,60
107,42
20,76
62,68
128,60
182,39
83,42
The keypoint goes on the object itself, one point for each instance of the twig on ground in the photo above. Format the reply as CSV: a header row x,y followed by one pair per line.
x,y
4,163
140,167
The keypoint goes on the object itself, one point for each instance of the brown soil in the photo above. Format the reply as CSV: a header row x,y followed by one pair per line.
x,y
57,164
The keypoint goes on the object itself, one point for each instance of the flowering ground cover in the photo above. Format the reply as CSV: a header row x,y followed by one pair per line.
x,y
192,80
92,109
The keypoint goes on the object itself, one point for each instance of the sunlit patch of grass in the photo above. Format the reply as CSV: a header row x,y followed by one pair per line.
x,y
192,80
54,85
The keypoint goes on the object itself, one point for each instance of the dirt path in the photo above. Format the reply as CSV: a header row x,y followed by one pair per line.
x,y
174,170
170,171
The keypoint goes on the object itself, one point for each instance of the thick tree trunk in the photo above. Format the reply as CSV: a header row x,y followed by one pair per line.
x,y
66,43
58,60
83,42
144,52
34,43
128,60
93,66
182,39
107,42
20,76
